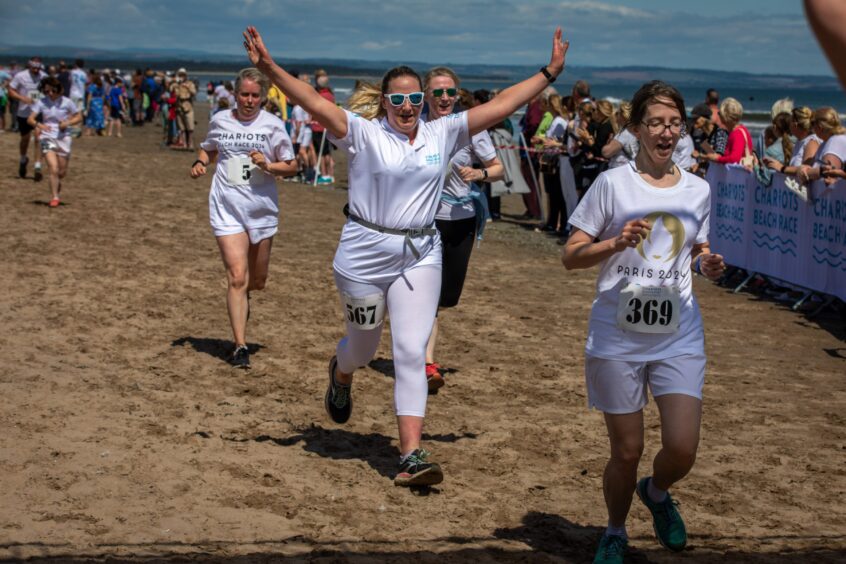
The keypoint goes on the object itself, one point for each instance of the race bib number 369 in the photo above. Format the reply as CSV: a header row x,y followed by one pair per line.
x,y
365,312
648,309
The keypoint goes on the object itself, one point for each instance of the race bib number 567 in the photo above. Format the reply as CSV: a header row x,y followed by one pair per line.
x,y
366,312
648,309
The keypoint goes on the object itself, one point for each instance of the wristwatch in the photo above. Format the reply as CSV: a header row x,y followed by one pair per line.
x,y
484,174
544,71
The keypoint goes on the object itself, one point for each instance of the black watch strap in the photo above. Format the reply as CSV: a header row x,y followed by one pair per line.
x,y
544,71
198,161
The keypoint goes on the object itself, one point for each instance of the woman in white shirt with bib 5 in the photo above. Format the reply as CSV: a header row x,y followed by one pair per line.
x,y
251,146
389,256
651,221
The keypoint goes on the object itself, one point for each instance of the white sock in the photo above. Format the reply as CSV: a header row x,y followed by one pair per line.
x,y
406,455
618,531
654,493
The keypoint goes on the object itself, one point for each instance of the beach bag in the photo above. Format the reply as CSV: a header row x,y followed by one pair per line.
x,y
748,159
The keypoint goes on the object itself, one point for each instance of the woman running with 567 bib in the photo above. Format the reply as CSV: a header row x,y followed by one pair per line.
x,y
646,225
389,256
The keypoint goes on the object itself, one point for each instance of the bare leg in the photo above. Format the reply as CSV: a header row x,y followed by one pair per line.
x,y
625,433
54,171
430,346
681,416
234,249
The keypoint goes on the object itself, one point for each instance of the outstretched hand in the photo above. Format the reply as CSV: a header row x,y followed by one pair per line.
x,y
256,51
559,52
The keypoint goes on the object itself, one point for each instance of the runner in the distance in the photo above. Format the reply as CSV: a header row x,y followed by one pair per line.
x,y
646,225
389,256
58,114
24,88
251,147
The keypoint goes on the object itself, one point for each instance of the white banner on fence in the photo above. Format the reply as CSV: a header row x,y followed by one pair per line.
x,y
769,229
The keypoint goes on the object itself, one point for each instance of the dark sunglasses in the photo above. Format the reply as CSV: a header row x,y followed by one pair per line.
x,y
438,92
397,100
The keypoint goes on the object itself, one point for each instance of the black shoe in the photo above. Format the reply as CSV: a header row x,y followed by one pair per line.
x,y
338,401
415,471
240,357
22,167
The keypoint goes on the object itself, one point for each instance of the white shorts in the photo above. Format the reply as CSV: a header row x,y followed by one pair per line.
x,y
304,137
62,147
619,386
256,234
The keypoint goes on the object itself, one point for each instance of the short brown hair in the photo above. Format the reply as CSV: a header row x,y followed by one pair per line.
x,y
648,94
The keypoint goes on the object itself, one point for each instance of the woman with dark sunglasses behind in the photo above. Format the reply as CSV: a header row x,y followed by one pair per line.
x,y
389,256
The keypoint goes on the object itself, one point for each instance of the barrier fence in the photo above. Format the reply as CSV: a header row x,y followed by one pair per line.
x,y
771,230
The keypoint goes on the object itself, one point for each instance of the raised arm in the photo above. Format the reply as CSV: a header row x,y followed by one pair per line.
x,y
322,110
509,100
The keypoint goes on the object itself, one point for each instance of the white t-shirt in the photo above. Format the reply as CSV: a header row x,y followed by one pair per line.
x,y
557,129
53,112
683,153
237,198
301,121
573,147
836,145
78,80
679,216
629,151
799,149
480,149
397,185
25,84
220,91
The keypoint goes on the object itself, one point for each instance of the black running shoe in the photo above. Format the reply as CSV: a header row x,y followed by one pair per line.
x,y
22,167
338,401
240,357
415,471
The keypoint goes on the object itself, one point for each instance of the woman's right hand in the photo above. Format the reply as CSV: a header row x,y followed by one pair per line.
x,y
256,51
198,170
631,234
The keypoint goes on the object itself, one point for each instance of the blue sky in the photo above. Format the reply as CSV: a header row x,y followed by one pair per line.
x,y
765,36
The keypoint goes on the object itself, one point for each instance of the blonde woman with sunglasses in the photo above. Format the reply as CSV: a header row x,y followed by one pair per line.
x,y
389,257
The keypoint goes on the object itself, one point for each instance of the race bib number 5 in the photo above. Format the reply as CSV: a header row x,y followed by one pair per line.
x,y
366,312
648,309
241,170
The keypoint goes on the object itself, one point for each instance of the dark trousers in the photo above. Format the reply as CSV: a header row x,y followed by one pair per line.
x,y
557,208
457,239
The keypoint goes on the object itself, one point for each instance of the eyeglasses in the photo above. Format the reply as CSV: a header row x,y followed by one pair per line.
x,y
438,92
656,127
397,100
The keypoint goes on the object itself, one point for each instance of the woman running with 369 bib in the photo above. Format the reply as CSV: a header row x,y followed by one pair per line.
x,y
389,256
646,225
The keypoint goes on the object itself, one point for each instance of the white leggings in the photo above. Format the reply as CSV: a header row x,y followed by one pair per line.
x,y
412,301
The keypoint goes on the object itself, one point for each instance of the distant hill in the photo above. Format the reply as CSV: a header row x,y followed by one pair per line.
x,y
195,60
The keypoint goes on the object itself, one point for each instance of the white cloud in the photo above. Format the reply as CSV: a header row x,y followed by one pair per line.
x,y
601,8
380,45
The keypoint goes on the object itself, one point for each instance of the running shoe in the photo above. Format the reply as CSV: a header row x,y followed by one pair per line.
x,y
240,357
434,378
415,471
338,401
54,203
666,519
37,172
611,549
325,179
22,167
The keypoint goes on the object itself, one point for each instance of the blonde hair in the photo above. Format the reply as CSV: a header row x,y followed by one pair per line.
x,y
366,100
731,110
802,117
625,111
784,105
781,123
605,109
440,71
828,120
252,73
557,107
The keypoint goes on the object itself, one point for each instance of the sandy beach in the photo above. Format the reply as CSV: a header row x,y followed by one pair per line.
x,y
127,438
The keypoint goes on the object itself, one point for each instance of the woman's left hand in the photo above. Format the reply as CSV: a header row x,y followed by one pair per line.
x,y
559,52
256,51
259,160
470,174
711,265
